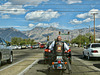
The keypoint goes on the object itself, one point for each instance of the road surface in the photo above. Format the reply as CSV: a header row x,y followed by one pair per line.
x,y
31,62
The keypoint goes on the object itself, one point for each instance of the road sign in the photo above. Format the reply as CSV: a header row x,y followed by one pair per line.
x,y
64,34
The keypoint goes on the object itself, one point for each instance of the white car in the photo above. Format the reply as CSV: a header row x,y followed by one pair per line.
x,y
14,47
19,47
92,50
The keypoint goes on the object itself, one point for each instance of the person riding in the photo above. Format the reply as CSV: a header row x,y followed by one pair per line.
x,y
59,46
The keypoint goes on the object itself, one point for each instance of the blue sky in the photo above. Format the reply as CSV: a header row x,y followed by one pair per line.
x,y
64,14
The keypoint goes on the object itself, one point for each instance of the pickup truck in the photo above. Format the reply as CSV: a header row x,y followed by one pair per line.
x,y
6,53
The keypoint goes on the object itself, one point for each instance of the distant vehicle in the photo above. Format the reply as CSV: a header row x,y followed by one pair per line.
x,y
26,46
14,47
23,47
19,47
29,46
6,53
42,45
75,45
92,50
47,52
35,46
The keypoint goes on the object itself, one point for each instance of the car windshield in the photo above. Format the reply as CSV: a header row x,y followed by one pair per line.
x,y
95,45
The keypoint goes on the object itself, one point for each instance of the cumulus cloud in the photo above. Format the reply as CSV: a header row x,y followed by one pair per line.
x,y
75,21
89,14
98,26
88,20
41,15
48,24
28,2
86,16
12,9
72,1
31,25
5,16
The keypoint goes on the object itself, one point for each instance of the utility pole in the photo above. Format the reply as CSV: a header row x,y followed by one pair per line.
x,y
94,24
89,29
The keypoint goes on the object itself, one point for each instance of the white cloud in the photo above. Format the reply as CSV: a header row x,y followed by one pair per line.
x,y
41,15
88,20
5,16
98,26
72,1
48,24
42,25
10,26
89,14
12,9
86,16
31,25
28,2
75,21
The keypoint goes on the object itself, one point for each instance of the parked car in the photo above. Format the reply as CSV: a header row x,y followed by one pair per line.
x,y
35,46
19,47
14,47
29,46
23,47
6,53
92,50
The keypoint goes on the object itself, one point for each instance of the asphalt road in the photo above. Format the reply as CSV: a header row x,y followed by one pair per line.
x,y
25,57
79,66
21,60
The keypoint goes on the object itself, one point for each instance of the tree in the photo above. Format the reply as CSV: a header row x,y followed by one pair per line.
x,y
82,39
20,41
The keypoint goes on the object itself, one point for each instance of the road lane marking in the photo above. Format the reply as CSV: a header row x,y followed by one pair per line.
x,y
12,65
26,69
86,63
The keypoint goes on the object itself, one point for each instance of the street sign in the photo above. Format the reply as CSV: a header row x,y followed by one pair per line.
x,y
64,34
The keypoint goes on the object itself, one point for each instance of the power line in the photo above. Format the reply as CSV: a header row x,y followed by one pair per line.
x,y
54,4
50,11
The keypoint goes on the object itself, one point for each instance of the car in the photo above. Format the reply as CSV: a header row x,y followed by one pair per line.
x,y
35,46
42,46
29,46
14,47
19,47
6,53
23,47
69,55
91,50
47,52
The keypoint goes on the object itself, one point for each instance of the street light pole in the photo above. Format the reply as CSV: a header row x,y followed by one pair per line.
x,y
94,24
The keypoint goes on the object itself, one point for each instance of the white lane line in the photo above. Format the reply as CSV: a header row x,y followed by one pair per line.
x,y
26,69
87,63
12,65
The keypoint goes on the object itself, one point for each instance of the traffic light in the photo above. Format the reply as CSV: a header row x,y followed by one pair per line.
x,y
59,32
47,38
68,33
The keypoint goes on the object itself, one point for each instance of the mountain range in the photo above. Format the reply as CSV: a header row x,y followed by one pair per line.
x,y
40,33
8,33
